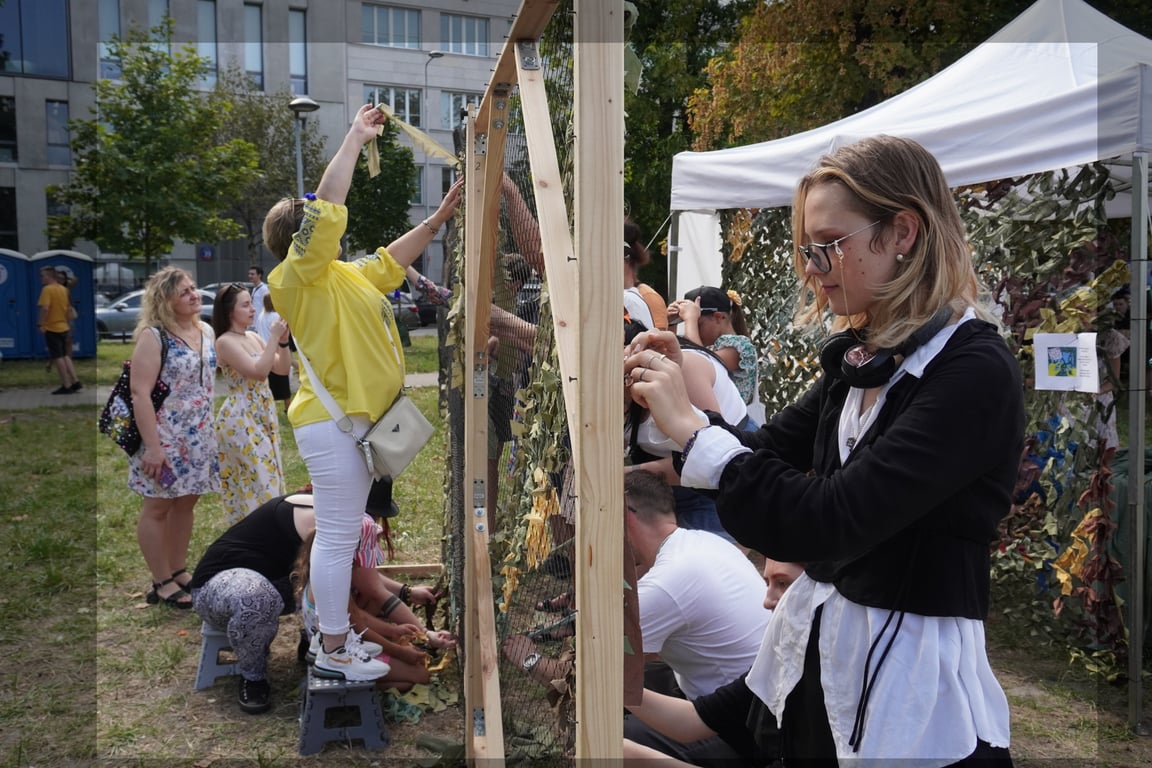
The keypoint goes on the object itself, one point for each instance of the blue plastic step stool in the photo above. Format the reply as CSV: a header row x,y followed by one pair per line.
x,y
211,667
323,697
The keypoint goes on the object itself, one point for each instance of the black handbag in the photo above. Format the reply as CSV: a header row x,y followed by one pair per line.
x,y
117,419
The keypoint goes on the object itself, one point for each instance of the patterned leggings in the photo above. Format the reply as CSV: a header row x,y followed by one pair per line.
x,y
245,605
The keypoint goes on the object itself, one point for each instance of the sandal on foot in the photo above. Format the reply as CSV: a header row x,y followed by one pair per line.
x,y
173,600
186,585
557,604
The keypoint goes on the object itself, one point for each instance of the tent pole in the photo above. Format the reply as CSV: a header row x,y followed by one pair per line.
x,y
673,255
1137,404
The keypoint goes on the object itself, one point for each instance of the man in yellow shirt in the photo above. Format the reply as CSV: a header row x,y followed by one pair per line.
x,y
53,323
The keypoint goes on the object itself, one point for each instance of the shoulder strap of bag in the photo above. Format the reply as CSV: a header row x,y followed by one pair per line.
x,y
334,410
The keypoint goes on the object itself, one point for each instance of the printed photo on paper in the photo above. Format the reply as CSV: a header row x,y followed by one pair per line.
x,y
1067,362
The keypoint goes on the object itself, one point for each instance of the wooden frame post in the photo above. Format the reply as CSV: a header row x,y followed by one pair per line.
x,y
598,447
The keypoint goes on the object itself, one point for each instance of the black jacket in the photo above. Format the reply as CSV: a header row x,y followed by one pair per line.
x,y
906,523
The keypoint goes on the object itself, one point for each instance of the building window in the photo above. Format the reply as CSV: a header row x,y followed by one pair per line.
x,y
405,102
8,238
452,104
464,34
56,121
109,24
447,179
157,10
206,38
34,37
297,53
418,187
8,130
254,45
387,25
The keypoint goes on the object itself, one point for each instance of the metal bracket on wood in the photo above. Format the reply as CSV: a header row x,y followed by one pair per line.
x,y
481,144
529,58
479,381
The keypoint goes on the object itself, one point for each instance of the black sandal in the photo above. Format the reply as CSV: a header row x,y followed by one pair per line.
x,y
183,572
173,600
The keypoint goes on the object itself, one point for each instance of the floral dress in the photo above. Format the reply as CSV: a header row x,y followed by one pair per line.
x,y
184,422
744,377
248,433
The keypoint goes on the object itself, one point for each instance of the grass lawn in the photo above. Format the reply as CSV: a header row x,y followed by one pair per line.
x,y
92,672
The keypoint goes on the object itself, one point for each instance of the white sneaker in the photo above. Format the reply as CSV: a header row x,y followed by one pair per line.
x,y
349,662
314,645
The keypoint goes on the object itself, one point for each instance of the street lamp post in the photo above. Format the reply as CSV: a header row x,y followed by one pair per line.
x,y
432,56
301,106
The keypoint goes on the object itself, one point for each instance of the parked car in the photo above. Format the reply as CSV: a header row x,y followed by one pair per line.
x,y
118,319
407,314
214,288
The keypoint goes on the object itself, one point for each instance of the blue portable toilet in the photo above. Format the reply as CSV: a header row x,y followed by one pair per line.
x,y
83,296
17,316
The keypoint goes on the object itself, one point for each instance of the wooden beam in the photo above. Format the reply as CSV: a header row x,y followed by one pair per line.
x,y
419,570
485,737
531,20
598,104
560,270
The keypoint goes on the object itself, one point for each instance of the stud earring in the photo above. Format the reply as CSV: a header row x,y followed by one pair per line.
x,y
900,258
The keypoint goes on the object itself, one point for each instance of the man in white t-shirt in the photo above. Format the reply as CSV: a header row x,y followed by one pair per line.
x,y
700,597
258,292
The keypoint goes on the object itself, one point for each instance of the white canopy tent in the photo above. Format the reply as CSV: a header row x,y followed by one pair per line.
x,y
1062,85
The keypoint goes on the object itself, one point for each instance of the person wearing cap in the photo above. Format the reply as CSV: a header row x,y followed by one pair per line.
x,y
715,319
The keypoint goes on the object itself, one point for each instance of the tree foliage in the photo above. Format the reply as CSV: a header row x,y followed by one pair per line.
x,y
378,208
799,65
149,169
264,121
674,41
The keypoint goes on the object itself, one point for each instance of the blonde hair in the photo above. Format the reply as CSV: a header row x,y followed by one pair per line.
x,y
884,176
281,224
156,304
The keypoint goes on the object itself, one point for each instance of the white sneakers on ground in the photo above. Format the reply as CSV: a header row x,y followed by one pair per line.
x,y
352,661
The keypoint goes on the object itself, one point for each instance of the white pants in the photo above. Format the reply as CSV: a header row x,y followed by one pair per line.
x,y
340,485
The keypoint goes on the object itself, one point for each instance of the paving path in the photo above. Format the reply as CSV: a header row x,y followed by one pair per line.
x,y
29,399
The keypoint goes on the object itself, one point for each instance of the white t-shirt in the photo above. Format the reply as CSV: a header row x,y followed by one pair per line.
x,y
638,308
258,294
702,610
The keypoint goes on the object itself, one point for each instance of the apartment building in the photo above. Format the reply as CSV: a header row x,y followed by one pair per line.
x,y
427,59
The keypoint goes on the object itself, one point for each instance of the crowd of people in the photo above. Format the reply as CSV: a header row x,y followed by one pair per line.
x,y
875,652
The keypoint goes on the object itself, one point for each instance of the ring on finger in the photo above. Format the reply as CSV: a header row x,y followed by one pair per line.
x,y
638,374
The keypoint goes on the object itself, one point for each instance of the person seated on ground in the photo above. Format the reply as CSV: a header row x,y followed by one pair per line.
x,y
699,598
728,725
384,623
243,586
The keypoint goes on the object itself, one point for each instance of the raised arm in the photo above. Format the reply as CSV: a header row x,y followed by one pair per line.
x,y
337,176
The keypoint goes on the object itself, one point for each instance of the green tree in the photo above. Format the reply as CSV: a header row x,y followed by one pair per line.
x,y
148,168
674,41
378,207
265,121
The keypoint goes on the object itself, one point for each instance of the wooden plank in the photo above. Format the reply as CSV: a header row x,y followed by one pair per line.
x,y
598,77
482,682
530,22
419,570
560,270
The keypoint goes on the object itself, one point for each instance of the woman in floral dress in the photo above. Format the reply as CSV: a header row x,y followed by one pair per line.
x,y
247,429
177,460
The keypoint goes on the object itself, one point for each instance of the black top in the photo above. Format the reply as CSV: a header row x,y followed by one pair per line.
x,y
741,720
907,522
266,542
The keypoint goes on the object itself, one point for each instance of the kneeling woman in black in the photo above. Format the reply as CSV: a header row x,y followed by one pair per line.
x,y
243,585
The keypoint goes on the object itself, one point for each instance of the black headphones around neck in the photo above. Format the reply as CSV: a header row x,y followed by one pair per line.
x,y
845,355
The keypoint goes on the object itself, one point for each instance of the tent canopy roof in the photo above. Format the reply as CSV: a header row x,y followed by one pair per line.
x,y
1061,85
